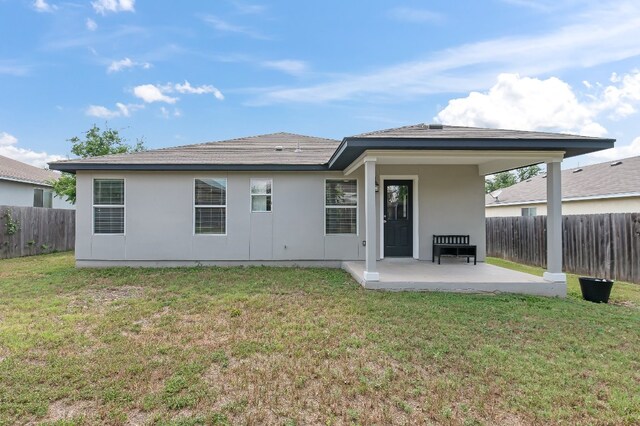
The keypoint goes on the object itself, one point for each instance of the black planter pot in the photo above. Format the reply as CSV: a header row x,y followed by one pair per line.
x,y
595,289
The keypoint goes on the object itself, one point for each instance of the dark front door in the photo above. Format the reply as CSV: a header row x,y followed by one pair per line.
x,y
398,218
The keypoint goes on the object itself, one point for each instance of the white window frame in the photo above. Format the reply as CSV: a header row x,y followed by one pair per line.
x,y
123,206
226,209
251,194
357,207
529,209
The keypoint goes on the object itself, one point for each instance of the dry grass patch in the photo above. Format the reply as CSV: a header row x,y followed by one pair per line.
x,y
301,346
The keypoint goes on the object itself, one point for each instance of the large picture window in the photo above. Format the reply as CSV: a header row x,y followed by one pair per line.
x,y
210,204
341,207
108,206
261,195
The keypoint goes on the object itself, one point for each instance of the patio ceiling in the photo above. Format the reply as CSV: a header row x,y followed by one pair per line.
x,y
488,162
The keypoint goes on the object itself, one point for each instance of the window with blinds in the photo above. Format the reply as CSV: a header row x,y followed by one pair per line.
x,y
108,206
210,204
341,206
261,195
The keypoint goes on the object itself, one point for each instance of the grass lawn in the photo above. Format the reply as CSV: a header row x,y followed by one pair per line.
x,y
303,346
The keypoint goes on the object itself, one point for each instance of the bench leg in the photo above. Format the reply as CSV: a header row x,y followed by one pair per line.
x,y
467,260
474,260
438,260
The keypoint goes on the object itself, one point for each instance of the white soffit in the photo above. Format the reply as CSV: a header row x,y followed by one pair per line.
x,y
488,162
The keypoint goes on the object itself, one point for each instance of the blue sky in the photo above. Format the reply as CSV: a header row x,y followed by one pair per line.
x,y
185,72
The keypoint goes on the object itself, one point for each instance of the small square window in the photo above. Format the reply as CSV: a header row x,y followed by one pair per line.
x,y
261,195
529,211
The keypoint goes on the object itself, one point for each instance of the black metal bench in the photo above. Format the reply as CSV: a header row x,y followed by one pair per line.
x,y
453,245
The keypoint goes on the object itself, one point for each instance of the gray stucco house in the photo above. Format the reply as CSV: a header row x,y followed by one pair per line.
x,y
23,185
284,199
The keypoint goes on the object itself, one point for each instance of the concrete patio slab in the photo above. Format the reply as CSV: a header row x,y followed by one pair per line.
x,y
453,275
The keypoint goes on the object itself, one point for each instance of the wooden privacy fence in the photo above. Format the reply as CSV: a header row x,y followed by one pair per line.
x,y
27,231
600,245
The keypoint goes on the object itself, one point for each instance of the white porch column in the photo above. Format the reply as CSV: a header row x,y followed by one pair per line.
x,y
554,224
370,269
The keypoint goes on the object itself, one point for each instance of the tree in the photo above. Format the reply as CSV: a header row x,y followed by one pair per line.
x,y
506,179
95,143
528,172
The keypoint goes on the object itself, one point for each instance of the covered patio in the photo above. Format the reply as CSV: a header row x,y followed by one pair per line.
x,y
453,275
440,171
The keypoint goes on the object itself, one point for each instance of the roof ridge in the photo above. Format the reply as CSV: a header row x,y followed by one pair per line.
x,y
375,132
241,138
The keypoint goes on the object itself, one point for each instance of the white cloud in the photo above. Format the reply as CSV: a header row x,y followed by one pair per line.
x,y
618,152
204,89
249,9
621,97
116,66
166,113
150,93
226,27
407,14
91,24
601,32
289,66
6,139
121,110
43,6
525,103
105,6
9,149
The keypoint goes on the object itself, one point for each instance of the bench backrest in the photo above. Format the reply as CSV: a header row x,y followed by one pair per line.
x,y
450,239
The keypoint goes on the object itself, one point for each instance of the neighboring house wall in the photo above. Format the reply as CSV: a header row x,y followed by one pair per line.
x,y
607,205
159,216
21,195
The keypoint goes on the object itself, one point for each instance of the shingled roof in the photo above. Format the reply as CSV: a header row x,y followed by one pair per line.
x,y
17,171
611,179
287,151
439,131
451,138
254,152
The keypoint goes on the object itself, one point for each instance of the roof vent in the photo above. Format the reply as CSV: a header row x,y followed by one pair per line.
x,y
616,163
435,126
279,148
578,170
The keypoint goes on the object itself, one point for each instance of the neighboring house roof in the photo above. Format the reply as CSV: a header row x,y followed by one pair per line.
x,y
259,152
17,171
604,180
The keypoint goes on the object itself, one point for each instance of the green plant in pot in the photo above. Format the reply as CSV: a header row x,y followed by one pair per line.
x,y
595,290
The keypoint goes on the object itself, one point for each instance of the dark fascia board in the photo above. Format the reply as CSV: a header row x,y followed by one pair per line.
x,y
73,167
351,148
